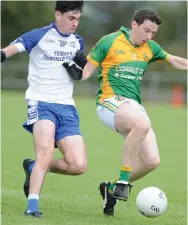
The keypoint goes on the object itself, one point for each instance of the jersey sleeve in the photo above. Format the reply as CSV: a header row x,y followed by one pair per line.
x,y
157,52
99,51
81,44
81,41
29,40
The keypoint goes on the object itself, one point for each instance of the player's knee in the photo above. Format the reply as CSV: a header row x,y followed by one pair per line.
x,y
153,163
80,167
44,158
142,126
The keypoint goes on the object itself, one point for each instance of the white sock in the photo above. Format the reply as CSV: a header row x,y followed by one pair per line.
x,y
33,196
122,182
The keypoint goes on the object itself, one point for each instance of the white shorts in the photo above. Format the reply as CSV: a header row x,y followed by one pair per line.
x,y
106,110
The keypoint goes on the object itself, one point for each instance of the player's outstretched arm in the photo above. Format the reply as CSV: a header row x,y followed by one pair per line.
x,y
8,52
178,62
88,70
79,68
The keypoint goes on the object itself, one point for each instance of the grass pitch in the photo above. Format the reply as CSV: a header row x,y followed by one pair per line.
x,y
69,200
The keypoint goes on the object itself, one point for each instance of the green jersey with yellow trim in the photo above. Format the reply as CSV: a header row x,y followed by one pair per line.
x,y
122,65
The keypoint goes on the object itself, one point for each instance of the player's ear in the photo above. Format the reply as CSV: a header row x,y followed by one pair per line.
x,y
57,15
134,24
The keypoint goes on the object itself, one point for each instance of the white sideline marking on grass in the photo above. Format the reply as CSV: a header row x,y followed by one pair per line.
x,y
13,192
10,192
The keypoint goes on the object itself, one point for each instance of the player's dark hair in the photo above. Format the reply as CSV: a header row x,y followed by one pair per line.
x,y
66,6
146,14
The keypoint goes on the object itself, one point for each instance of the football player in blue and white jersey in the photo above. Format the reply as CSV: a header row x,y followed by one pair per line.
x,y
52,116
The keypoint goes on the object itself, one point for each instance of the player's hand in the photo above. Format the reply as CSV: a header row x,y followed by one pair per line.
x,y
75,67
80,59
3,56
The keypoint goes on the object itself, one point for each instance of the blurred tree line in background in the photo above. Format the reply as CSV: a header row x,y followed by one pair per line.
x,y
98,19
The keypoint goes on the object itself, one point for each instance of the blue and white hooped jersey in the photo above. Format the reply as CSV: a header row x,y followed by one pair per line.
x,y
48,80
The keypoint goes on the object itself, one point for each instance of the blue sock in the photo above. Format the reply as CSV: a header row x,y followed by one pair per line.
x,y
31,166
33,205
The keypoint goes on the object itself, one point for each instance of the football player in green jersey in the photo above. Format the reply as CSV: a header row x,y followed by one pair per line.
x,y
122,58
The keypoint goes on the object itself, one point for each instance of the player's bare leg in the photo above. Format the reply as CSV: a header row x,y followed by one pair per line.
x,y
148,157
43,134
75,158
129,120
73,163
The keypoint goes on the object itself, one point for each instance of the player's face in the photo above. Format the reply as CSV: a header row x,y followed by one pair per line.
x,y
67,22
143,32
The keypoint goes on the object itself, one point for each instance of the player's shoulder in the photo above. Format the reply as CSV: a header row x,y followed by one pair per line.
x,y
112,35
78,36
42,30
81,41
153,44
109,38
